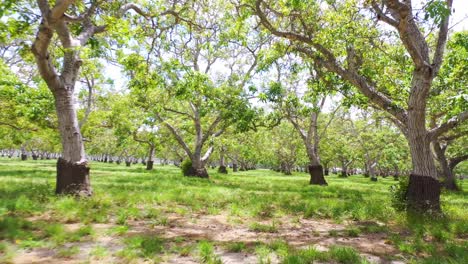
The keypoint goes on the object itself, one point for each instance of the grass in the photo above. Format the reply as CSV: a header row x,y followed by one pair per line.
x,y
336,254
207,253
258,227
124,195
236,247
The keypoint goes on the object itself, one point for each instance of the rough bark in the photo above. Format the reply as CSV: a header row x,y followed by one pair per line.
x,y
423,194
447,165
72,178
316,175
197,172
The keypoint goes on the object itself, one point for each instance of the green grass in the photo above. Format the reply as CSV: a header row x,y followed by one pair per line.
x,y
207,253
269,228
336,254
123,195
236,247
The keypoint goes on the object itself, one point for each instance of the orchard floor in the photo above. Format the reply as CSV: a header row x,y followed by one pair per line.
x,y
260,216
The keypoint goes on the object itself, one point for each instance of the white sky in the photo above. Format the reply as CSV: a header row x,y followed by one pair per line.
x,y
460,15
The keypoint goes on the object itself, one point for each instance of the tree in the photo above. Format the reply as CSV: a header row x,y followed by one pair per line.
x,y
377,141
449,99
301,104
314,30
75,24
26,112
184,90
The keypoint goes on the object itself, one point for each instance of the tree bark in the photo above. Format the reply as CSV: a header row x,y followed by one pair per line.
x,y
72,168
316,175
222,165
150,162
423,194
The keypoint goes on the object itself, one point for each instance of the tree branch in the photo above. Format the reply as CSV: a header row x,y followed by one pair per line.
x,y
209,131
453,162
445,127
177,136
441,42
357,80
207,154
382,16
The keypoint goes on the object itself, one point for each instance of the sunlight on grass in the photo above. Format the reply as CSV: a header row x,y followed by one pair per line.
x,y
123,195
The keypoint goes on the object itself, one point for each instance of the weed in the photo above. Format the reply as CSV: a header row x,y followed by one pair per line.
x,y
353,232
236,247
257,227
207,254
305,256
99,252
333,233
346,255
68,252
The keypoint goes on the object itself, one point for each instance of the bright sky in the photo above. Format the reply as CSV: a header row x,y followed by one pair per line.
x,y
460,15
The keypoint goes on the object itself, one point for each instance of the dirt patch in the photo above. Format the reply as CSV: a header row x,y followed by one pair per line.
x,y
221,229
300,233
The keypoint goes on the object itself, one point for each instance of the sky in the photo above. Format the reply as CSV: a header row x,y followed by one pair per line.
x,y
460,15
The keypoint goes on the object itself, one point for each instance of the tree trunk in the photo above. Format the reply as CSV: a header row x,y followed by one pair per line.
x,y
72,167
222,166
344,170
316,175
446,171
197,172
371,167
314,168
150,162
423,194
198,167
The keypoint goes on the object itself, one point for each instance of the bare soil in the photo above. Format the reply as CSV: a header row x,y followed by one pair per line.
x,y
219,229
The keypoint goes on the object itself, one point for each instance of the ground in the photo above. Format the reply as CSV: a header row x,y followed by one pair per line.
x,y
259,216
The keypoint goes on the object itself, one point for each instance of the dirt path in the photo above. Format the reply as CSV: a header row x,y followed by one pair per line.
x,y
218,229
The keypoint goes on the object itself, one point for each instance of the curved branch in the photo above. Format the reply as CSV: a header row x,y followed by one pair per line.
x,y
453,162
445,127
177,136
